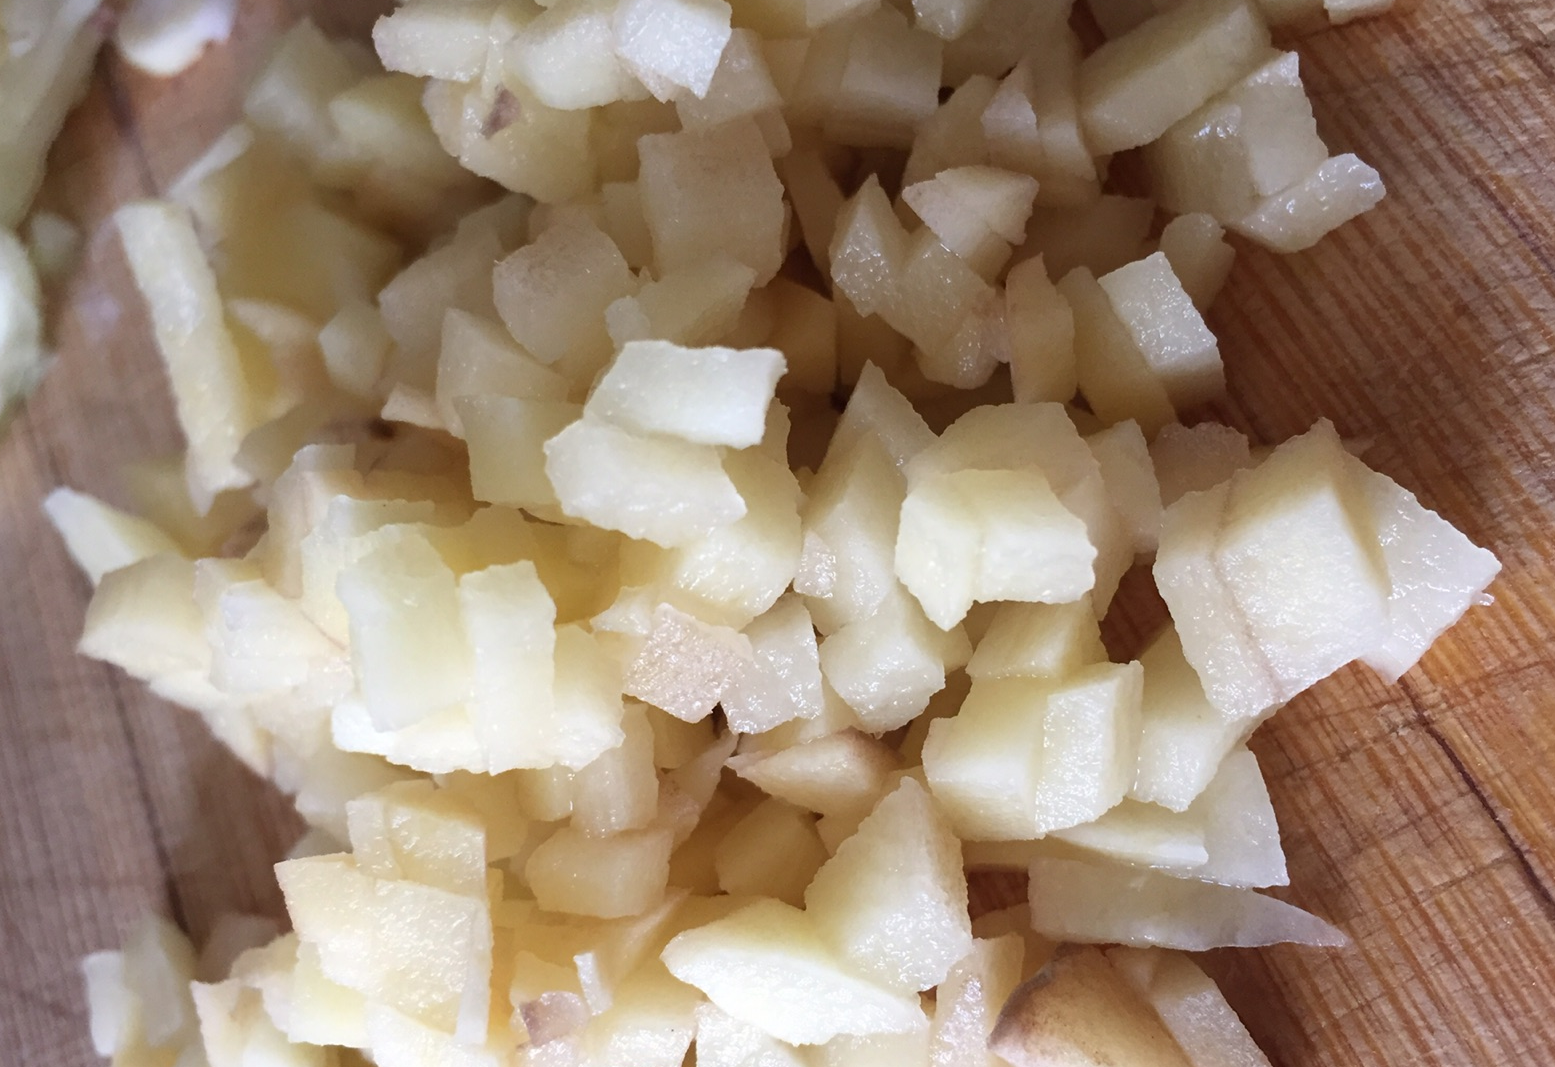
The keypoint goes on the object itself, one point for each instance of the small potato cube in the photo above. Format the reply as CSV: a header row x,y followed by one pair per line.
x,y
1167,330
877,408
508,135
1196,248
869,250
672,43
953,135
1133,88
768,966
619,790
1241,834
892,899
772,852
415,833
1129,475
1296,218
693,182
477,357
741,87
1042,335
1079,1011
144,620
889,83
784,681
817,201
657,489
1190,459
886,667
1190,1005
843,773
506,437
435,40
706,396
695,305
552,294
968,1002
948,19
566,57
850,533
602,877
1038,641
1296,560
990,535
101,538
685,665
976,212
355,346
1113,374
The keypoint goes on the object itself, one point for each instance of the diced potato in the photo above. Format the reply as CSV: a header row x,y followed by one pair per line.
x,y
1436,573
953,135
990,535
101,538
695,305
1190,459
435,40
412,833
418,949
355,346
816,198
603,877
290,97
566,57
772,852
693,182
1042,335
1080,1011
552,294
506,437
1146,836
1050,641
844,773
143,619
1007,766
706,396
1296,218
1090,900
869,250
1167,330
414,302
888,665
1129,475
892,899
1133,88
876,408
741,87
889,82
619,790
211,390
1300,586
671,44
1007,30
976,212
967,1003
850,532
1195,246
907,1049
1113,374
322,1011
1190,1005
658,489
784,681
685,665
767,966
477,357
1183,739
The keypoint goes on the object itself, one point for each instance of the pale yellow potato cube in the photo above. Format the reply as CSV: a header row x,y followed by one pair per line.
x,y
907,1049
705,396
878,409
1081,1013
1144,835
413,833
620,789
843,773
1167,330
1298,573
1190,1005
693,182
887,666
1241,835
1042,335
1296,218
143,619
976,212
784,680
506,134
566,57
723,1041
506,437
1195,246
435,40
889,82
1436,573
552,294
421,950
1190,459
290,96
355,346
477,357
892,899
211,390
323,1012
850,522
670,44
650,1023
1133,88
741,86
816,198
772,852
869,250
101,538
1113,374
603,877
413,303
1038,641
953,135
967,1003
1183,738
695,305
1129,475
768,966
1096,901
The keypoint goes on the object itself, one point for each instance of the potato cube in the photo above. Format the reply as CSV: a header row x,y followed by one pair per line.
x,y
976,212
968,1002
1298,575
817,201
323,1012
101,538
1079,1011
1196,248
850,532
907,1049
990,535
552,294
1007,30
1113,374
1167,330
355,346
1038,641
144,620
1241,835
685,665
566,57
412,832
477,357
602,877
1190,1005
768,966
1095,901
706,396
1143,835
1296,218
953,135
889,82
1435,571
657,489
1190,459
672,43
1042,335
620,789
290,97
508,135
887,666
693,182
741,87
892,899
1253,140
783,682
772,852
843,773
948,19
1133,88
1129,475
435,40
1183,738
695,305
878,409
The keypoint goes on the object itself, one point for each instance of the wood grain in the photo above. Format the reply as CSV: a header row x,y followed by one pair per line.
x,y
1420,817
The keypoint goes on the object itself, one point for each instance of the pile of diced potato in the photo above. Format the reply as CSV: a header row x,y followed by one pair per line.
x,y
656,474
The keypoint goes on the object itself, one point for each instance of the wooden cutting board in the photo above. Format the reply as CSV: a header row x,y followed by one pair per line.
x,y
1419,817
